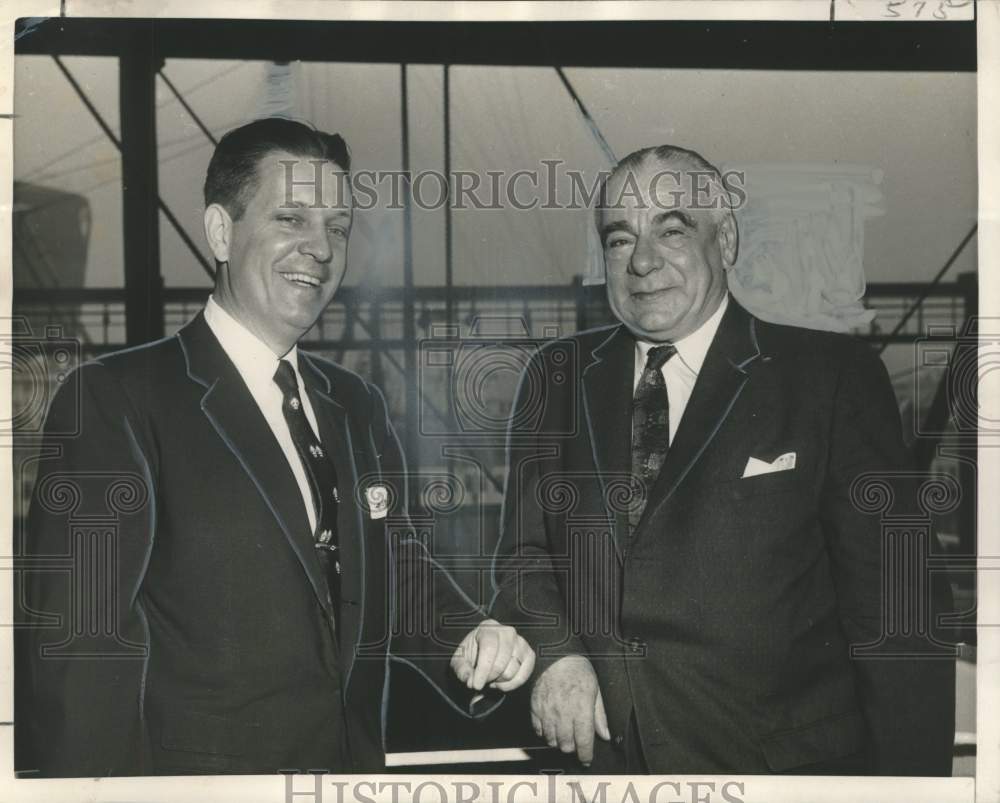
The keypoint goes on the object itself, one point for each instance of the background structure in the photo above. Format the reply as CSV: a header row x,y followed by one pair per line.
x,y
116,120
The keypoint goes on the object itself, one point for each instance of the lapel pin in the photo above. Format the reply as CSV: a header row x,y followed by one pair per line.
x,y
378,501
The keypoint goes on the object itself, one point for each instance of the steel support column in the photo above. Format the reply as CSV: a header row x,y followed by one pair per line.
x,y
138,65
410,442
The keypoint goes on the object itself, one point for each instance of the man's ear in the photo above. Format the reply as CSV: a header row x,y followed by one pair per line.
x,y
218,231
729,239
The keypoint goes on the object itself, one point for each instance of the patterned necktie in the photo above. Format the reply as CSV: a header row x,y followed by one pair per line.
x,y
322,478
650,428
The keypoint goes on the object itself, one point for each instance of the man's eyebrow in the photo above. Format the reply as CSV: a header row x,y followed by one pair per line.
x,y
293,204
683,217
616,225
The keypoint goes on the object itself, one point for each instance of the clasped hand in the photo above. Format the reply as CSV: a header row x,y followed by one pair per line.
x,y
495,655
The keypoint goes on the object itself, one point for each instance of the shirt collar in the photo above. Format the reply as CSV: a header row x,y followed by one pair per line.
x,y
692,348
252,357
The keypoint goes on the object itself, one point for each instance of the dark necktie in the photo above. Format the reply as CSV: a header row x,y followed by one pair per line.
x,y
322,478
650,428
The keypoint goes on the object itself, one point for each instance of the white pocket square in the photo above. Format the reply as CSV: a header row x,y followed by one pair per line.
x,y
755,467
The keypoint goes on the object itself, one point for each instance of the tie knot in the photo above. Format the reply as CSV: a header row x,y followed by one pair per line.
x,y
658,356
284,378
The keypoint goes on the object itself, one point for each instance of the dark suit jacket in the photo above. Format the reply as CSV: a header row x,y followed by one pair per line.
x,y
214,637
726,621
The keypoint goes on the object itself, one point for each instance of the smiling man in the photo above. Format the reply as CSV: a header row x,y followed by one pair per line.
x,y
697,600
235,617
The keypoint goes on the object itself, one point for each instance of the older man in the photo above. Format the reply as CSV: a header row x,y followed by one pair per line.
x,y
697,598
248,590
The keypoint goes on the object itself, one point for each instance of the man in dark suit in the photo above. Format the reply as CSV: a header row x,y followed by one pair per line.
x,y
233,518
682,539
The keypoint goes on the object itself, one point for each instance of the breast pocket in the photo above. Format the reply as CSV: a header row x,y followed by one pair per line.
x,y
767,484
770,504
759,524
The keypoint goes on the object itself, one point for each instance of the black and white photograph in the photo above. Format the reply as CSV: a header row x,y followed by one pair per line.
x,y
514,401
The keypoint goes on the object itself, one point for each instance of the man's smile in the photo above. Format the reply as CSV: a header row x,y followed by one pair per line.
x,y
652,295
301,279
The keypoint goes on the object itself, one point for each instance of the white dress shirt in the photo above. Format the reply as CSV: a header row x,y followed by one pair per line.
x,y
257,363
681,371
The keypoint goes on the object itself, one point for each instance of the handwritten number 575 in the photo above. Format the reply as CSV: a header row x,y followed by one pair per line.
x,y
940,12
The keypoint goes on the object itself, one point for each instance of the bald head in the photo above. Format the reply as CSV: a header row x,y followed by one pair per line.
x,y
679,178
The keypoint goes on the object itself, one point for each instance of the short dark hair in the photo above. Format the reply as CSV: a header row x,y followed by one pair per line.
x,y
232,177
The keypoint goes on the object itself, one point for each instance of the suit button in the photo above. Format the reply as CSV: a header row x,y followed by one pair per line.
x,y
619,740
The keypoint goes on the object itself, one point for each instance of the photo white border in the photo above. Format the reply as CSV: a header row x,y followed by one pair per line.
x,y
988,590
985,788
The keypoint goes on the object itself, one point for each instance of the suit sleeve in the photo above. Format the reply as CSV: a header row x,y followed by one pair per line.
x,y
430,612
907,700
527,591
81,654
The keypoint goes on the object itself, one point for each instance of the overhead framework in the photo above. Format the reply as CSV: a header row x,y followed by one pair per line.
x,y
143,45
901,46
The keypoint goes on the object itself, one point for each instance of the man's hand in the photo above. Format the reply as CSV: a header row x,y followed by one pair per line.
x,y
566,707
493,654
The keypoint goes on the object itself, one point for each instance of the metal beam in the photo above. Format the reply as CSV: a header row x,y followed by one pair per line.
x,y
449,275
187,107
138,66
595,130
411,443
449,268
901,46
926,292
185,237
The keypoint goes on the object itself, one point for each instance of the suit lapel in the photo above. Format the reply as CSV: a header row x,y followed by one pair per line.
x,y
734,349
232,411
607,400
335,434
